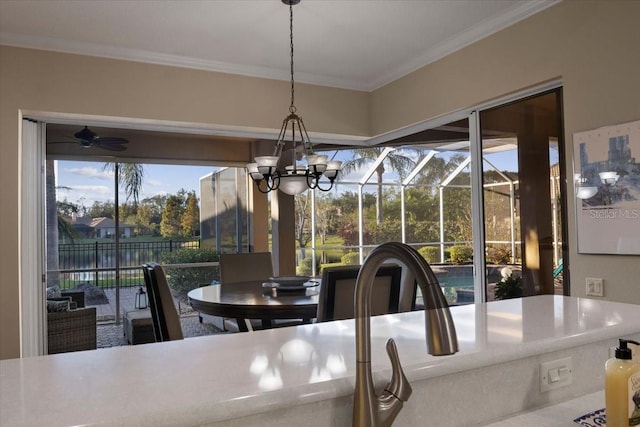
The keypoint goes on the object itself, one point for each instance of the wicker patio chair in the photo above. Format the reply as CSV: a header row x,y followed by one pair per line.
x,y
72,330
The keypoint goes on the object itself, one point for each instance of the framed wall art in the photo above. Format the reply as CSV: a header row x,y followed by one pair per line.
x,y
607,188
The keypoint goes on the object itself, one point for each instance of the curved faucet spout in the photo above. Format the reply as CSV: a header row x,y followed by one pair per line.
x,y
369,409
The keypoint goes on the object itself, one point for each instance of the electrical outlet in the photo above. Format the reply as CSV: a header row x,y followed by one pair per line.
x,y
555,374
594,287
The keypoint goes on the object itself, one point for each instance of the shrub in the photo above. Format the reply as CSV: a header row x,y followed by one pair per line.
x,y
304,267
349,234
461,254
388,231
330,264
430,253
509,287
498,255
350,258
183,279
331,257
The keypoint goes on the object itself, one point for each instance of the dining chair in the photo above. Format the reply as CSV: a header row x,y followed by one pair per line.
x,y
244,267
151,296
337,289
408,289
164,307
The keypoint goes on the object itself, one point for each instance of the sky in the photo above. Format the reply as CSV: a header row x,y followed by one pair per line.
x,y
88,181
84,183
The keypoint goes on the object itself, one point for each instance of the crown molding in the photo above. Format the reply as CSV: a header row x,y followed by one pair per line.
x,y
475,33
136,55
472,35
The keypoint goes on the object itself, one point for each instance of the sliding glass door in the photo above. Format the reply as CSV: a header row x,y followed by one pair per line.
x,y
523,199
496,235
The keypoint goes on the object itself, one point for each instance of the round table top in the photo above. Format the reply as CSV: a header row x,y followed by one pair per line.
x,y
250,300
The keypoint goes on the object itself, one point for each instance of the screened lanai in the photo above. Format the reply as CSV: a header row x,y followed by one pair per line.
x,y
425,203
419,186
419,189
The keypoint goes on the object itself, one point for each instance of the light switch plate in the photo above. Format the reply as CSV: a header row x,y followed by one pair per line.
x,y
555,374
594,287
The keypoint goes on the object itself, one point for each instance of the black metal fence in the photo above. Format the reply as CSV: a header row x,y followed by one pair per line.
x,y
95,262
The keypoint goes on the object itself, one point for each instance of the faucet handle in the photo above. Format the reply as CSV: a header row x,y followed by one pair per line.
x,y
399,385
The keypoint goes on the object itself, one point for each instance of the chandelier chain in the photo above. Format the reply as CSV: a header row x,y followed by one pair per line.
x,y
292,107
271,173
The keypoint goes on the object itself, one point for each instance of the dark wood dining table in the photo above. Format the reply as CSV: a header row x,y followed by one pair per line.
x,y
251,300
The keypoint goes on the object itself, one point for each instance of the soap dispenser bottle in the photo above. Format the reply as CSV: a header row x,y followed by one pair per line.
x,y
622,388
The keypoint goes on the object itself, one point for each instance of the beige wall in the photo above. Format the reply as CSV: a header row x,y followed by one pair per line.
x,y
592,46
53,82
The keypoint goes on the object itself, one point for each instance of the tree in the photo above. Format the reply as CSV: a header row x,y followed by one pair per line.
x,y
302,226
51,212
102,209
170,223
156,204
190,221
326,217
130,175
66,208
128,210
143,220
395,160
56,226
65,211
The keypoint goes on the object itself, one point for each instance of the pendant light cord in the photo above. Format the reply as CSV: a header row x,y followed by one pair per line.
x,y
292,107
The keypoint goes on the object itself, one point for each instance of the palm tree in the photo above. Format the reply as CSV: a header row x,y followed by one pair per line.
x,y
51,221
395,160
130,176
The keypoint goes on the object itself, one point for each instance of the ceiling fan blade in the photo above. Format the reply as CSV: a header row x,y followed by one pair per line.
x,y
110,147
86,138
110,140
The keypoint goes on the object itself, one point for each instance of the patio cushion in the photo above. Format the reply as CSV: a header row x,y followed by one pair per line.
x,y
53,292
57,306
138,327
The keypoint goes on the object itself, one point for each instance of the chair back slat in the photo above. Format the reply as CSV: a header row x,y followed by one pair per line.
x,y
337,290
245,267
153,305
167,315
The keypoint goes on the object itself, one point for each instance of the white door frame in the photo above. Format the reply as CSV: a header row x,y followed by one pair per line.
x,y
31,238
31,189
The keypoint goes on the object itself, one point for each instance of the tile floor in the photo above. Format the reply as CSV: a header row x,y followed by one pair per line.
x,y
110,333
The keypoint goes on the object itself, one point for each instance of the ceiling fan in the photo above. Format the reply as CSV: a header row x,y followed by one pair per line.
x,y
88,138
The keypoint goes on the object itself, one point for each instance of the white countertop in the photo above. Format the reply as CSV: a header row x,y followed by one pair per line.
x,y
227,376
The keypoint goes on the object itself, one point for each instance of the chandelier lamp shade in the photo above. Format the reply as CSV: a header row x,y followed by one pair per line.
x,y
585,191
271,173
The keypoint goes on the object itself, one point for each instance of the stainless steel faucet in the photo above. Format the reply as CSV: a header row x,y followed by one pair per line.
x,y
370,409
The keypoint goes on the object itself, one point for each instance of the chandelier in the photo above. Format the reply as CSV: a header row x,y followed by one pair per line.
x,y
268,172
